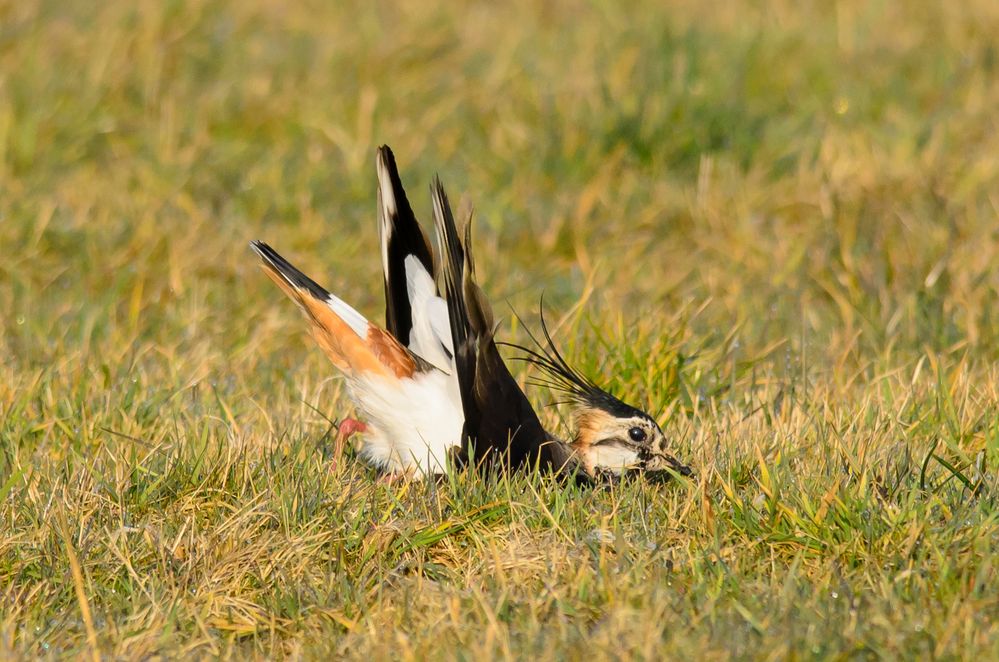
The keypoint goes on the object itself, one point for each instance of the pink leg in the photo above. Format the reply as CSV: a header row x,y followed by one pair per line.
x,y
347,428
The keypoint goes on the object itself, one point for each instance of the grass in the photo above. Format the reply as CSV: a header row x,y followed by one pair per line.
x,y
773,223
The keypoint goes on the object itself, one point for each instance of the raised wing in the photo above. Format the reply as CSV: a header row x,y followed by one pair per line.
x,y
414,312
500,424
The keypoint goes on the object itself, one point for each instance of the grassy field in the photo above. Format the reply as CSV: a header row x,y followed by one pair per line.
x,y
774,224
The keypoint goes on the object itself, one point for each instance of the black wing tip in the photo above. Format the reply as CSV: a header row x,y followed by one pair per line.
x,y
453,262
288,271
404,234
437,186
401,237
446,229
269,255
386,159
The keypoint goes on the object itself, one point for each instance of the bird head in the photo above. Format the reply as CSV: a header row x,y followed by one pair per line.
x,y
611,438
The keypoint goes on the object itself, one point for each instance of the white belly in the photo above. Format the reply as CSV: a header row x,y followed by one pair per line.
x,y
413,423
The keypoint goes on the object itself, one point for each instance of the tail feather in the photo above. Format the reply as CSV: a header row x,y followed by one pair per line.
x,y
287,274
345,336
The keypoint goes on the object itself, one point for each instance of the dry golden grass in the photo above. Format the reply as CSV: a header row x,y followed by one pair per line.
x,y
775,223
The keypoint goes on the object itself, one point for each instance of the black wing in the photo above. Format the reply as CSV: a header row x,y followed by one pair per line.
x,y
401,236
500,423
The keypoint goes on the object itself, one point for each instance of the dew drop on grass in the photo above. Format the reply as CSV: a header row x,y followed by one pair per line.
x,y
835,595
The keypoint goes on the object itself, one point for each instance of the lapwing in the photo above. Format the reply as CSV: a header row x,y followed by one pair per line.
x,y
432,387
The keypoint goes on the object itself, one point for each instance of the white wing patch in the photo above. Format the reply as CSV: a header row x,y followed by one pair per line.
x,y
351,317
431,334
440,323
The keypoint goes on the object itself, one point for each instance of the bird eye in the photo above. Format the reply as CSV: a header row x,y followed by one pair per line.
x,y
637,434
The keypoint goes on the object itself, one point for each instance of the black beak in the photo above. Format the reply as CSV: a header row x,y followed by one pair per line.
x,y
679,467
673,468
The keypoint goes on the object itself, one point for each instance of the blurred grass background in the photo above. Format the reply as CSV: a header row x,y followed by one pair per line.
x,y
775,223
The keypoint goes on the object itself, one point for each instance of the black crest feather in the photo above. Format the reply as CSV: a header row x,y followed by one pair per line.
x,y
563,378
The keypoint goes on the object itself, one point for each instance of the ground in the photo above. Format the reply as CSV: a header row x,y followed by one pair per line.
x,y
772,224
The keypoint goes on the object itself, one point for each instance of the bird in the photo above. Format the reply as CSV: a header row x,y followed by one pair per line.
x,y
432,386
